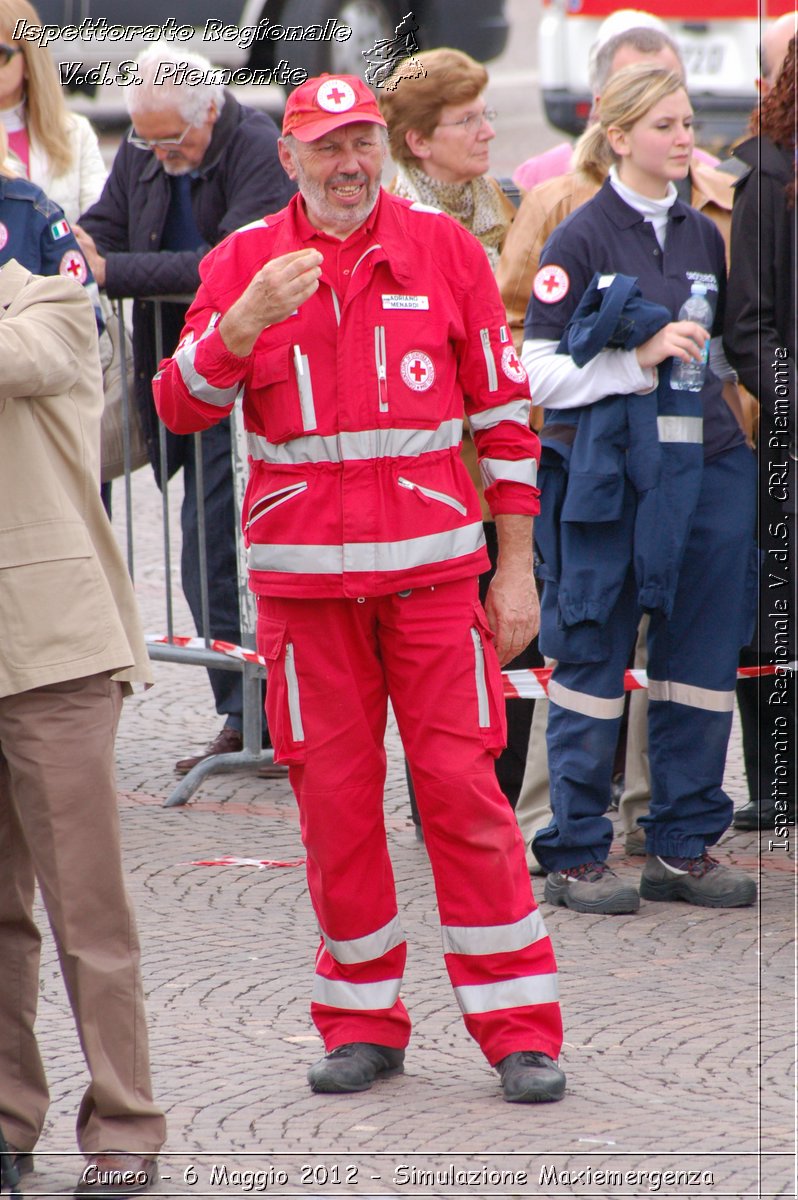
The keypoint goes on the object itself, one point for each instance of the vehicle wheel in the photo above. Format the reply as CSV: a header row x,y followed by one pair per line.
x,y
368,20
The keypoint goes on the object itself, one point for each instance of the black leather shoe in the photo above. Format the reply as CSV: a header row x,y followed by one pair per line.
x,y
117,1174
354,1066
768,817
229,741
530,1077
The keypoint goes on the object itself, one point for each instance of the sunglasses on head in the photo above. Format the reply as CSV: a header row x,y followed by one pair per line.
x,y
7,53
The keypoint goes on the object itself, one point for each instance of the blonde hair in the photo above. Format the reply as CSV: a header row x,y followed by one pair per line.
x,y
628,96
46,112
450,77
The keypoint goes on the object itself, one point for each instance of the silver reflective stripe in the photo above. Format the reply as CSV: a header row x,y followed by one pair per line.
x,y
582,702
197,385
516,410
305,385
292,684
431,494
336,306
367,556
483,707
335,993
358,447
681,429
522,470
493,939
364,949
490,361
693,697
508,993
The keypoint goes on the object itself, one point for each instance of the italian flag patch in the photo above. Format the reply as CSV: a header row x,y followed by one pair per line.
x,y
60,229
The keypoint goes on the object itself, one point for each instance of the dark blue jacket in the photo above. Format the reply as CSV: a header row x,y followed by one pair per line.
x,y
239,180
620,477
35,232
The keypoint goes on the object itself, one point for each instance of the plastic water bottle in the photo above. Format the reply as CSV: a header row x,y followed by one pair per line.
x,y
689,376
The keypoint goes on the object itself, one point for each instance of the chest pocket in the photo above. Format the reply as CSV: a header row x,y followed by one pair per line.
x,y
281,389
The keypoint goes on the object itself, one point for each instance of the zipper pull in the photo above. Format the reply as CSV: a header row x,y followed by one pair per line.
x,y
381,362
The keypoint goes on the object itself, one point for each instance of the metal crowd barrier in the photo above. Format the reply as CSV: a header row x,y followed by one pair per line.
x,y
252,755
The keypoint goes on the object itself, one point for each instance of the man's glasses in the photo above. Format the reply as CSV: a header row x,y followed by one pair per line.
x,y
155,143
472,122
7,53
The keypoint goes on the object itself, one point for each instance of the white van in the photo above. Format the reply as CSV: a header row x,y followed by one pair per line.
x,y
718,39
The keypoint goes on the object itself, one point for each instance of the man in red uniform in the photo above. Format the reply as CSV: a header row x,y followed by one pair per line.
x,y
361,328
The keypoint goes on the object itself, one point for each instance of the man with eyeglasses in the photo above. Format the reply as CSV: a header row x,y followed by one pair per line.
x,y
361,327
195,166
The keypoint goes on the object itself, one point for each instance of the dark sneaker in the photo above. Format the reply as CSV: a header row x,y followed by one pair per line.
x,y
767,817
530,1077
591,888
702,881
354,1067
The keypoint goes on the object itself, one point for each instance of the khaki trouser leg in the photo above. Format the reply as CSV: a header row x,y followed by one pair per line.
x,y
637,774
58,748
533,810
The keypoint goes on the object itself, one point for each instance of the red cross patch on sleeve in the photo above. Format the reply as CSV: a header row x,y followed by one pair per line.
x,y
551,284
73,266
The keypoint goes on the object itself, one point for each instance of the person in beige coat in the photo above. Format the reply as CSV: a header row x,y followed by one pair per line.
x,y
71,648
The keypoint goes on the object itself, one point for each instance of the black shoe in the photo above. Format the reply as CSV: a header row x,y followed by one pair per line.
x,y
354,1066
768,817
702,881
530,1077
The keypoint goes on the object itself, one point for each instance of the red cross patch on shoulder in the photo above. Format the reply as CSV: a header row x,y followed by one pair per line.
x,y
551,284
73,266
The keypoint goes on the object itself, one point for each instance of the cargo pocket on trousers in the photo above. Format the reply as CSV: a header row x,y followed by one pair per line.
x,y
488,685
283,702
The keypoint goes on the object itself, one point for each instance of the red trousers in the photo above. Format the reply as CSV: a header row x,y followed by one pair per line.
x,y
332,666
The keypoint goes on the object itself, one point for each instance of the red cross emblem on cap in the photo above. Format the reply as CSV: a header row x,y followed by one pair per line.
x,y
551,284
335,95
73,266
417,370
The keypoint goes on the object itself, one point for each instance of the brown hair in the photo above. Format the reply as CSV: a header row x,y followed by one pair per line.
x,y
776,116
450,77
628,96
45,107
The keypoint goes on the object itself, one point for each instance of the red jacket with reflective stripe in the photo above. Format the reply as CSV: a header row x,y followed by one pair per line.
x,y
354,407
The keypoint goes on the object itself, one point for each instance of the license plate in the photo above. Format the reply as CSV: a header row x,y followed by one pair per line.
x,y
702,58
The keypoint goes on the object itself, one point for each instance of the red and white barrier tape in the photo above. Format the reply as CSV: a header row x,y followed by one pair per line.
x,y
230,861
529,684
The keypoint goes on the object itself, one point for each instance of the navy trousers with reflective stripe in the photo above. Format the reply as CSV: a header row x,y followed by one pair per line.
x,y
332,666
692,670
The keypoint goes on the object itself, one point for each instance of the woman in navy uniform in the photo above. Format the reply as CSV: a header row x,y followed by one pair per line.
x,y
35,232
648,505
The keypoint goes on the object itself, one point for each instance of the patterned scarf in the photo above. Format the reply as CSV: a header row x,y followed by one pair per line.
x,y
476,204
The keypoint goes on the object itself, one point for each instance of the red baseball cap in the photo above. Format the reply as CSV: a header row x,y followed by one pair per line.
x,y
326,102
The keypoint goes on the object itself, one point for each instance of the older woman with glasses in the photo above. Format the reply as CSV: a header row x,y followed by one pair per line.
x,y
52,147
440,133
440,130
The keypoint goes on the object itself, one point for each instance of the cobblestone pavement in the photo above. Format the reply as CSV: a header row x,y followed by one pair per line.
x,y
679,1021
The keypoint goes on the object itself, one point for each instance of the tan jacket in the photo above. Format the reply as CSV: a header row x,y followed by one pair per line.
x,y
545,206
67,607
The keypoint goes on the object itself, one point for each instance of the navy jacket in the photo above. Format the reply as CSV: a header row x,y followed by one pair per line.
x,y
239,180
592,526
35,232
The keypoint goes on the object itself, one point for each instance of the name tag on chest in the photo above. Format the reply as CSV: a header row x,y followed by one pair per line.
x,y
416,302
